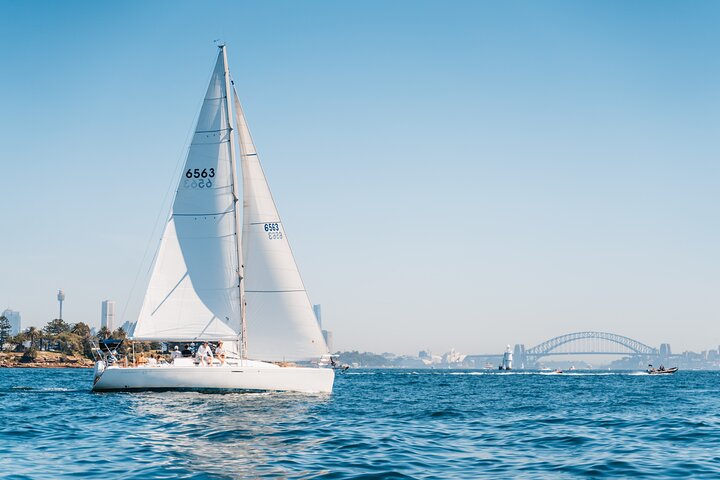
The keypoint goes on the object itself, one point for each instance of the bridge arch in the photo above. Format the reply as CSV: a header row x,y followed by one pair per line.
x,y
553,346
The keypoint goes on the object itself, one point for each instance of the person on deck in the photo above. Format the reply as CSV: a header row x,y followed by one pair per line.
x,y
176,353
141,359
204,354
186,352
220,352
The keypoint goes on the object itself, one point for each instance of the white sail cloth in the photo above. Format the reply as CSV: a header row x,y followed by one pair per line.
x,y
193,290
281,324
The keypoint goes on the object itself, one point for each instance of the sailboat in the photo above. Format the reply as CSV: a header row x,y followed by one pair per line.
x,y
224,271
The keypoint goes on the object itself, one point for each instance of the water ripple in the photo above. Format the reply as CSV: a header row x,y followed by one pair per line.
x,y
377,424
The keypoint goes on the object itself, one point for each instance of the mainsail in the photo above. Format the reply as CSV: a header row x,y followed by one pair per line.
x,y
193,291
281,324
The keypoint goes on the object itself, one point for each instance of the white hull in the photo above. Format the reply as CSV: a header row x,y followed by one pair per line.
x,y
256,376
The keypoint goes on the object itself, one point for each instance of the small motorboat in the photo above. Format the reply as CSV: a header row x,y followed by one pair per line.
x,y
336,365
661,370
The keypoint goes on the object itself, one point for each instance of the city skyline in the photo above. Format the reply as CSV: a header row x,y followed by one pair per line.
x,y
467,175
108,314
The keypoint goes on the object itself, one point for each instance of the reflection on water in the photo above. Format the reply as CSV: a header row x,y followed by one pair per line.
x,y
231,433
377,424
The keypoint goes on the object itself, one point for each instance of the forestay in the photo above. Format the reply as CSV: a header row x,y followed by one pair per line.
x,y
281,324
194,285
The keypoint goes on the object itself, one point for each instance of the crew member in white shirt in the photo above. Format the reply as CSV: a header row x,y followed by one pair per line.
x,y
176,353
204,354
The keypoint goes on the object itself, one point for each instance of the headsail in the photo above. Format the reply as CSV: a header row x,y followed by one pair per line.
x,y
280,321
193,290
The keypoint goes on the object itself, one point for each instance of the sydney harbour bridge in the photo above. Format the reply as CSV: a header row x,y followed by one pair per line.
x,y
588,343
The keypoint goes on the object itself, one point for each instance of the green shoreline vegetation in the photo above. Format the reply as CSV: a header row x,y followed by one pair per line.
x,y
57,344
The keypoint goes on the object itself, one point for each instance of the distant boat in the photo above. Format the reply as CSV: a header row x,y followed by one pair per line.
x,y
661,370
224,271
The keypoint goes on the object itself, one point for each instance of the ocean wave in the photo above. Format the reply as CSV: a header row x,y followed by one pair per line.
x,y
376,424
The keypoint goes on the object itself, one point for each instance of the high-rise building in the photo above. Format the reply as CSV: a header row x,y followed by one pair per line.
x,y
128,327
15,322
107,317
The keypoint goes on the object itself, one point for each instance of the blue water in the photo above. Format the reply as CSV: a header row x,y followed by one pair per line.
x,y
377,424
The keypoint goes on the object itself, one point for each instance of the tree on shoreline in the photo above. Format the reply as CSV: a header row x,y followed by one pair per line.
x,y
4,331
32,333
82,330
103,333
56,327
69,339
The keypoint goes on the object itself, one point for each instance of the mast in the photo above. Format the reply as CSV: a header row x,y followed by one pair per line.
x,y
236,201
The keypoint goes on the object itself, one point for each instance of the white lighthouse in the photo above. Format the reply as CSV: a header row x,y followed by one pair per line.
x,y
61,298
507,359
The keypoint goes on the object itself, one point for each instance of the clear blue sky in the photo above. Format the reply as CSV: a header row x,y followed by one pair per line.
x,y
451,174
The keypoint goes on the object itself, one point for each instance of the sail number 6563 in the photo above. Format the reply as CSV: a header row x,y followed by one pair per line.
x,y
197,173
273,231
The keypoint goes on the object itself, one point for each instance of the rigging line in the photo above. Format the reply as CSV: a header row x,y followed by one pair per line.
x,y
173,181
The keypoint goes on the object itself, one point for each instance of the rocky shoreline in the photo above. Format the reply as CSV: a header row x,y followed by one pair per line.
x,y
44,365
44,360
